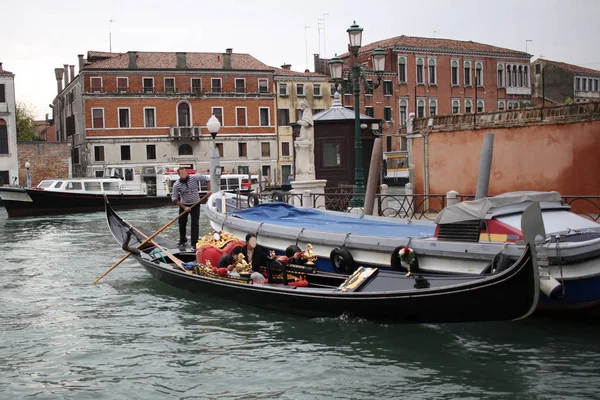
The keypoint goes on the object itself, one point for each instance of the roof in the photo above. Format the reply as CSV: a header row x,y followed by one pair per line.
x,y
337,112
570,67
478,209
168,60
5,72
413,43
288,72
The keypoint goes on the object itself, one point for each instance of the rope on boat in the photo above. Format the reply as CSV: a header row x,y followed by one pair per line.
x,y
346,238
225,220
258,229
562,280
157,251
299,234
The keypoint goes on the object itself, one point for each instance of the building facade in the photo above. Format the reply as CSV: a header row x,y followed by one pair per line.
x,y
152,108
431,76
558,82
292,88
9,161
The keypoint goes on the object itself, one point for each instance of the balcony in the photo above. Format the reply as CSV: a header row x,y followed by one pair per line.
x,y
216,89
240,89
523,90
170,90
587,94
148,89
185,132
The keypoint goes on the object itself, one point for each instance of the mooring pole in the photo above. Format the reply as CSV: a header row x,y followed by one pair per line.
x,y
485,166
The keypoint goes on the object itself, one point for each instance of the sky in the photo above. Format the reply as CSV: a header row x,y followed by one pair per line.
x,y
40,35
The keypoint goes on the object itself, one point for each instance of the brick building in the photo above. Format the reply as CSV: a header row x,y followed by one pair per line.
x,y
430,76
558,81
9,163
152,107
48,160
293,87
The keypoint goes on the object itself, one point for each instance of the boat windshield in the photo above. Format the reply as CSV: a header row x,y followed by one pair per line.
x,y
45,184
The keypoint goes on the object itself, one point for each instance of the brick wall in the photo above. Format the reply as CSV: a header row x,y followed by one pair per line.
x,y
48,160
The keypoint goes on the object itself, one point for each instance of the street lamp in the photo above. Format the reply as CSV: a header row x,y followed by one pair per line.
x,y
213,125
357,72
28,179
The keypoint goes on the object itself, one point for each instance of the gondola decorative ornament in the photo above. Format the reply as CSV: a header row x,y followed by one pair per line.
x,y
407,257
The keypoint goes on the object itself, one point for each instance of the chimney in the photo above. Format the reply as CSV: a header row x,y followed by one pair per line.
x,y
227,59
71,73
287,66
66,73
59,77
132,59
181,60
0,66
80,57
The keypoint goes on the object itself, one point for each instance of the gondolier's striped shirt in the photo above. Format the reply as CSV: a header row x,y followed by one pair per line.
x,y
187,192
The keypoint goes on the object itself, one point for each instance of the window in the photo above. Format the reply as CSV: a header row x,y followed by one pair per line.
x,y
186,150
479,106
220,149
3,138
595,85
125,152
123,85
92,186
215,85
332,156
75,155
149,117
240,85
420,109
526,76
369,87
196,85
403,111
514,75
332,89
150,152
432,80
183,114
124,118
419,70
387,113
148,84
285,149
300,89
284,116
388,143
283,89
401,70
317,90
508,77
240,116
263,86
98,153
98,118
264,116
478,74
2,93
218,113
455,107
454,73
501,105
4,178
500,75
520,76
467,73
388,89
96,84
265,149
242,150
369,111
169,85
74,186
433,107
577,84
468,106
266,170
538,68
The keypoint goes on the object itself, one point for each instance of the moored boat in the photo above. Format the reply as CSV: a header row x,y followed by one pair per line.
x,y
370,293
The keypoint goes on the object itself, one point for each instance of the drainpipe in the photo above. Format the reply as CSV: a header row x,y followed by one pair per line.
x,y
278,162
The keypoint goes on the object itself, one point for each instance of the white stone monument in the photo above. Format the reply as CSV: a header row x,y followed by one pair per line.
x,y
305,162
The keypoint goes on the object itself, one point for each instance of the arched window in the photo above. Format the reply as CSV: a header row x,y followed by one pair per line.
x,y
420,70
433,107
500,75
468,106
432,71
401,69
403,112
525,76
184,114
508,77
520,76
4,143
455,107
454,72
185,150
514,75
479,74
420,109
480,106
501,106
467,73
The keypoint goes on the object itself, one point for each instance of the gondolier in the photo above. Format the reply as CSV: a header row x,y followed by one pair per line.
x,y
185,194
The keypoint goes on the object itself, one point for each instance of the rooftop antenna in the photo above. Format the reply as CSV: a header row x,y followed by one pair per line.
x,y
434,33
110,21
324,41
527,41
306,43
320,23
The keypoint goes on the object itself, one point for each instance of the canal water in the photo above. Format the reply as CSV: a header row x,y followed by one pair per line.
x,y
130,337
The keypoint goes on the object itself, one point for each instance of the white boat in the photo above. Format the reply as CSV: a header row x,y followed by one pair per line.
x,y
461,241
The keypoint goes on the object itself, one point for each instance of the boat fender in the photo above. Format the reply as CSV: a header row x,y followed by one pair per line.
x,y
501,262
293,250
277,196
395,264
342,261
550,287
253,200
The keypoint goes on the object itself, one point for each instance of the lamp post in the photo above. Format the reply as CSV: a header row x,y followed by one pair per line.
x,y
213,125
28,181
356,73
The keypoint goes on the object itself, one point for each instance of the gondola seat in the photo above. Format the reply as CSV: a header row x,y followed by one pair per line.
x,y
208,252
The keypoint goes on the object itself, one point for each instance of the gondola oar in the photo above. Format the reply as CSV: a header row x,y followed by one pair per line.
x,y
149,239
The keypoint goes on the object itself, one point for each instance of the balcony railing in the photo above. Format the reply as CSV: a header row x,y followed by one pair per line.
x,y
148,89
185,132
170,90
240,89
216,89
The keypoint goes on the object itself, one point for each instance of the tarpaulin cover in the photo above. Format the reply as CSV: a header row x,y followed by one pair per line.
x,y
286,215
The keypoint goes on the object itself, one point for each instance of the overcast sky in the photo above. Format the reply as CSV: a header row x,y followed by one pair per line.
x,y
40,35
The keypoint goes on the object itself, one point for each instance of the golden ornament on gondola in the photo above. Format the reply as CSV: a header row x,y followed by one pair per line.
x,y
309,256
217,239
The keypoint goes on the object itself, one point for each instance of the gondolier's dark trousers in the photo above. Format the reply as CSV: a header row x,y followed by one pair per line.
x,y
195,214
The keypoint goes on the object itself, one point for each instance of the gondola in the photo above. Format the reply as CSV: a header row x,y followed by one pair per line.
x,y
369,293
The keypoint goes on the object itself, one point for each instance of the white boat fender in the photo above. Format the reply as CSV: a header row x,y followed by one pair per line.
x,y
550,286
253,200
342,261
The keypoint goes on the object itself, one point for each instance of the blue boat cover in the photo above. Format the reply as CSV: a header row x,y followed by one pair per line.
x,y
278,213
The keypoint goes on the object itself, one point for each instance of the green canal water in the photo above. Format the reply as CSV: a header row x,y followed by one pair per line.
x,y
131,337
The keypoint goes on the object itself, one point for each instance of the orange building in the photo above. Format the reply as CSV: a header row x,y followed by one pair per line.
x,y
152,107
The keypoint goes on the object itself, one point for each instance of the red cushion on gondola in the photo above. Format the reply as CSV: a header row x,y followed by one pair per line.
x,y
298,283
231,245
211,253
